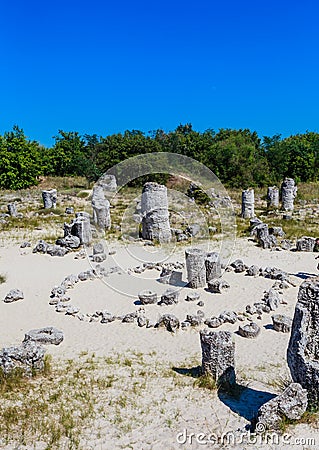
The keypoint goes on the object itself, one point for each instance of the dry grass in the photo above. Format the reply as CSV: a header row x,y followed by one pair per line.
x,y
76,402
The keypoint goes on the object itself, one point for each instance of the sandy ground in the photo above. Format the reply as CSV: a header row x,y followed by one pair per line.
x,y
259,361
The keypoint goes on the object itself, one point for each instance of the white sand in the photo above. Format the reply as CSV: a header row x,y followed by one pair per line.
x,y
259,360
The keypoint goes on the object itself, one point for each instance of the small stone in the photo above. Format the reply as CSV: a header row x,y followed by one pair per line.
x,y
169,297
249,331
216,286
228,316
169,321
281,323
214,322
147,297
46,335
13,296
192,296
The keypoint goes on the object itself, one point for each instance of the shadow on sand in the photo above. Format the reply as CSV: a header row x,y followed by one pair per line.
x,y
304,275
241,399
245,401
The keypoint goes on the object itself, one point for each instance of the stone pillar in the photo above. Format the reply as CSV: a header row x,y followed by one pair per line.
x,y
218,355
288,194
213,266
303,347
81,228
101,208
248,204
49,198
107,182
195,265
273,197
12,210
155,216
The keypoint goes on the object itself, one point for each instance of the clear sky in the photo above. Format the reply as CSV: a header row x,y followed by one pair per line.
x,y
103,67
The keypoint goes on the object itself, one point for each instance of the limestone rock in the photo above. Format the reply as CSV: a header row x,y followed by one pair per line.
x,y
303,347
228,316
13,296
49,198
281,323
306,244
192,296
288,194
169,297
155,216
147,297
170,322
28,357
248,204
217,286
218,355
272,197
250,330
292,403
213,266
46,335
195,265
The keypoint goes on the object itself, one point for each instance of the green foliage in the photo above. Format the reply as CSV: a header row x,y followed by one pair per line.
x,y
238,157
20,160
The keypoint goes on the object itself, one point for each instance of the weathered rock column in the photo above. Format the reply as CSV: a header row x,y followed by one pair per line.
x,y
154,208
81,228
49,198
12,210
273,197
213,266
303,348
101,208
288,194
248,204
195,265
218,355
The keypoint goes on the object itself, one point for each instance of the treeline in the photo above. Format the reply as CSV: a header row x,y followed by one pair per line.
x,y
240,158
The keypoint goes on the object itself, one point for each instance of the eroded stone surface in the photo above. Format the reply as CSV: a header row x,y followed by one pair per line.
x,y
218,355
303,348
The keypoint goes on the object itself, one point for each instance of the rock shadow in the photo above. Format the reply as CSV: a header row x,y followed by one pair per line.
x,y
244,400
304,275
193,372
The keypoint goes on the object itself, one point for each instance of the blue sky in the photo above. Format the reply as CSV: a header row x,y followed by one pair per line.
x,y
104,67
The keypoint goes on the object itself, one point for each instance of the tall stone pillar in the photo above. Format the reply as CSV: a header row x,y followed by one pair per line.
x,y
155,216
101,208
12,209
49,198
303,347
218,355
213,266
272,197
248,204
195,265
288,194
